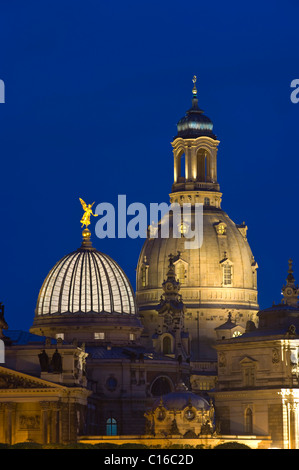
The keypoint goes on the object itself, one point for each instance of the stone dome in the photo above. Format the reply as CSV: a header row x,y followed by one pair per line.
x,y
179,400
218,277
222,241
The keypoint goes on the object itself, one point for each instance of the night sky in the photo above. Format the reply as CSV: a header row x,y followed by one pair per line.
x,y
94,90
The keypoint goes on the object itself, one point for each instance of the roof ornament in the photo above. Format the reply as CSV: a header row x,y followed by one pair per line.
x,y
85,220
194,80
290,291
87,213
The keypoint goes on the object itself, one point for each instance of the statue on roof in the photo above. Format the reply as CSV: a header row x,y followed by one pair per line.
x,y
87,213
3,324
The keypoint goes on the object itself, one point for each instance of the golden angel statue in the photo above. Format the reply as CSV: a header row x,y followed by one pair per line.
x,y
87,213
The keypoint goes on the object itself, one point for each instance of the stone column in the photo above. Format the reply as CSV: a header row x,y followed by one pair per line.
x,y
292,425
55,423
2,422
176,167
193,173
9,422
213,166
46,424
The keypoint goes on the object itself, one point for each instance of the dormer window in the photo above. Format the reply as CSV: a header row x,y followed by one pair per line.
x,y
181,273
181,270
220,228
227,272
227,275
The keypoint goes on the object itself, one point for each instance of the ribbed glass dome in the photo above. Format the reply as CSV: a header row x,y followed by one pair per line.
x,y
86,281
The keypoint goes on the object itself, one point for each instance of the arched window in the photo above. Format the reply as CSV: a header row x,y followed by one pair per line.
x,y
161,386
248,421
203,165
182,166
221,228
207,201
166,345
111,427
179,166
237,333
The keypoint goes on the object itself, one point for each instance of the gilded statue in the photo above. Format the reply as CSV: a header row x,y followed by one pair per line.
x,y
87,213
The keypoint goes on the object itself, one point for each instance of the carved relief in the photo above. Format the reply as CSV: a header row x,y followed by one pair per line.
x,y
29,422
12,381
275,356
221,360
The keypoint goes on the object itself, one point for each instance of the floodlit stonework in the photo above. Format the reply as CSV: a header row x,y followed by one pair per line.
x,y
189,359
219,276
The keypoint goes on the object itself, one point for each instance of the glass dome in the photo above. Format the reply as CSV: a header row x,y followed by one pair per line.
x,y
86,281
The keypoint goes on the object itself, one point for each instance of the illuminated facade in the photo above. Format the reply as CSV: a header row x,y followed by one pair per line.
x,y
100,361
257,390
181,413
87,299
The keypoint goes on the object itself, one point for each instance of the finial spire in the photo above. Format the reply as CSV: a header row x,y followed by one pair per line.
x,y
290,278
290,291
194,91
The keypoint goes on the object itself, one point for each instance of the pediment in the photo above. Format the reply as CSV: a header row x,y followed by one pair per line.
x,y
247,360
180,260
11,379
226,261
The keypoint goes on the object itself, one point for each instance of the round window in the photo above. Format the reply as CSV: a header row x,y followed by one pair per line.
x,y
189,414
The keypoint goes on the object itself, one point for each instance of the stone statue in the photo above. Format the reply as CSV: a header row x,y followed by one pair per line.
x,y
174,430
3,324
56,362
87,213
44,361
207,428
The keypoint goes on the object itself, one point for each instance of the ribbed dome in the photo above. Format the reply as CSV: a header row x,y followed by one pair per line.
x,y
86,281
195,124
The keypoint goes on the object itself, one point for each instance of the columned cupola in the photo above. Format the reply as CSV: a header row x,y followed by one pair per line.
x,y
195,158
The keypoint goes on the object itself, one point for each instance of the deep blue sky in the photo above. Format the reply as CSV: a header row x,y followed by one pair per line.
x,y
94,90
